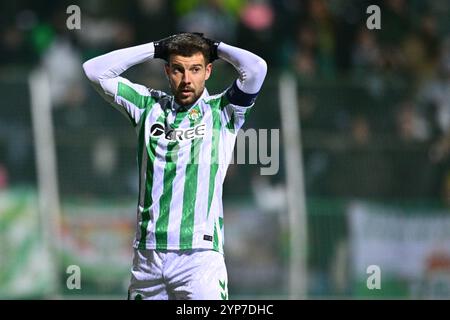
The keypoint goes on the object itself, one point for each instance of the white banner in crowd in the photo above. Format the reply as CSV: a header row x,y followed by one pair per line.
x,y
406,245
25,269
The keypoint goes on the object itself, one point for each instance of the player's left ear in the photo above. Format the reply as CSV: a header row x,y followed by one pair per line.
x,y
208,71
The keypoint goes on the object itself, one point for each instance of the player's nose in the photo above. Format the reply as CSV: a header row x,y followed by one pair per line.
x,y
186,78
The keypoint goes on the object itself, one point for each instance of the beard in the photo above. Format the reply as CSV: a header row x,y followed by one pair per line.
x,y
186,95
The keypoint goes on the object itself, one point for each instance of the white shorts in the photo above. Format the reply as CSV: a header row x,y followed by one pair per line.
x,y
180,275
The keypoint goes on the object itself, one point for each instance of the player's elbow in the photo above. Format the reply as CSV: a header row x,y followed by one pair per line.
x,y
256,74
261,65
89,71
258,69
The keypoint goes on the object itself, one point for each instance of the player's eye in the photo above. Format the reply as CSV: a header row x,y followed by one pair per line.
x,y
195,70
177,70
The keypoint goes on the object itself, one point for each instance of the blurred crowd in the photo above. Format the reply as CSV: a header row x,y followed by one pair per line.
x,y
374,104
382,97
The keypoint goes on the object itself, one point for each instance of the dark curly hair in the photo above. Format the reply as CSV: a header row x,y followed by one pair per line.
x,y
187,44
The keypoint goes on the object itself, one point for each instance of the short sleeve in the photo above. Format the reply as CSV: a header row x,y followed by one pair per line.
x,y
131,99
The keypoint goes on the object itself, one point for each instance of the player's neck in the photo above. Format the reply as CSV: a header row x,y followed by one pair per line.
x,y
177,106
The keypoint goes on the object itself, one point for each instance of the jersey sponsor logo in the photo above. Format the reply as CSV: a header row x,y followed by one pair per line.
x,y
178,134
207,237
157,129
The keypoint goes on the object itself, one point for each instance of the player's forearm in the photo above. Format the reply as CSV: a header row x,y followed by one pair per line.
x,y
252,68
112,64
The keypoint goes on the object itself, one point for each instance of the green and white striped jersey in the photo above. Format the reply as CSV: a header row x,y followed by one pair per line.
x,y
183,157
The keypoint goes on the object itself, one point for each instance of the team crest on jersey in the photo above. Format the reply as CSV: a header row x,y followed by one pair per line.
x,y
193,114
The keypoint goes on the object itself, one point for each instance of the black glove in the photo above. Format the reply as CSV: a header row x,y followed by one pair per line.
x,y
161,48
213,44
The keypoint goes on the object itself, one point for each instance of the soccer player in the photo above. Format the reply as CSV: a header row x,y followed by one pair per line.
x,y
185,143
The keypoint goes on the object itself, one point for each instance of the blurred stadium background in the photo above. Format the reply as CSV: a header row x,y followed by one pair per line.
x,y
374,111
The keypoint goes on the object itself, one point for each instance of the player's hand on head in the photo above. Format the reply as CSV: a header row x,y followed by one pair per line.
x,y
213,44
161,46
161,51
